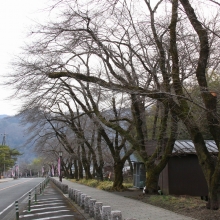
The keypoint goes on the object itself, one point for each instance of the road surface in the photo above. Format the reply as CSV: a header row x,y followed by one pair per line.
x,y
13,190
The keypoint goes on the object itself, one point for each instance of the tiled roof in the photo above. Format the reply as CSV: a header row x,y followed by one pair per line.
x,y
187,147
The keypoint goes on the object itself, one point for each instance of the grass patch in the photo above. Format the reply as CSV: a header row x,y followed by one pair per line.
x,y
174,201
103,185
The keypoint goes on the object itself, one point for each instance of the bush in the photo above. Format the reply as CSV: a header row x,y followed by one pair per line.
x,y
103,185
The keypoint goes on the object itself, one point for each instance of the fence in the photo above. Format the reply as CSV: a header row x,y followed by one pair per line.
x,y
92,208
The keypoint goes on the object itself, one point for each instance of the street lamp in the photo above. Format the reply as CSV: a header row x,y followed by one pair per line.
x,y
59,164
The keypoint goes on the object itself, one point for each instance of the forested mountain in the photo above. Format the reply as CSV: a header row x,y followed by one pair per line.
x,y
15,136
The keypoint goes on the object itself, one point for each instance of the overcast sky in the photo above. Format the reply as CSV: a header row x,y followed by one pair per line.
x,y
15,18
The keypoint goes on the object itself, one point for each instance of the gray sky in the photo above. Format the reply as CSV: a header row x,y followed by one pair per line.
x,y
15,18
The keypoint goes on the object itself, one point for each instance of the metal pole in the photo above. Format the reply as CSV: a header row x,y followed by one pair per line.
x,y
40,188
35,196
29,202
60,169
17,210
4,167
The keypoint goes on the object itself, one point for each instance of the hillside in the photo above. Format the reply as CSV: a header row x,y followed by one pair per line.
x,y
15,136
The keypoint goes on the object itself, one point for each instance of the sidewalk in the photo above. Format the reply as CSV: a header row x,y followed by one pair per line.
x,y
6,180
130,208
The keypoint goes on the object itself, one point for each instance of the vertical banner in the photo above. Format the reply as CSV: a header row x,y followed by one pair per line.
x,y
12,173
42,171
52,170
16,170
58,166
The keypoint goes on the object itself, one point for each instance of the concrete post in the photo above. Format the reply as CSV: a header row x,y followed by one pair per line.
x,y
91,207
65,189
106,212
72,194
98,211
116,215
69,192
86,204
75,195
82,200
79,197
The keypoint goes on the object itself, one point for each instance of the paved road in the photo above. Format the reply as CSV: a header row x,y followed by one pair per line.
x,y
10,191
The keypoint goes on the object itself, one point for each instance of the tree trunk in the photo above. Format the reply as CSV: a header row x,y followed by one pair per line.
x,y
118,180
152,180
207,163
80,170
76,173
85,163
101,161
213,198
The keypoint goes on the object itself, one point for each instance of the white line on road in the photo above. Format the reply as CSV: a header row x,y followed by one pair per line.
x,y
43,213
59,217
47,204
45,208
17,199
15,184
49,199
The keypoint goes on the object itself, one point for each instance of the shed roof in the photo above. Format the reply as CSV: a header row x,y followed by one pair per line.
x,y
187,147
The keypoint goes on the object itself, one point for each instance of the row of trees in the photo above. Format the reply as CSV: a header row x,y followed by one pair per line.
x,y
8,158
92,77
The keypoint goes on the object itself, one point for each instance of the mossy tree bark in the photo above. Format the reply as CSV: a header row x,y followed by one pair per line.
x,y
118,176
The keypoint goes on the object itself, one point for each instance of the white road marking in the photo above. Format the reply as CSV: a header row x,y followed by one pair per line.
x,y
47,204
6,208
17,199
45,208
49,199
15,185
42,213
59,217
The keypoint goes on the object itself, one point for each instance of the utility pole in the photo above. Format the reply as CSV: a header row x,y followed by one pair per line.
x,y
4,139
4,167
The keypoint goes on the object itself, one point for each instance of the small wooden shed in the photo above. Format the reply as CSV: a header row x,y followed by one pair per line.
x,y
183,174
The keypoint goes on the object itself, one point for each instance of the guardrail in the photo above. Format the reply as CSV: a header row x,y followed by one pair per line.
x,y
30,196
24,201
91,207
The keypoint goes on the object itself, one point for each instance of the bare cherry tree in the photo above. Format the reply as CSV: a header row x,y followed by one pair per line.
x,y
133,49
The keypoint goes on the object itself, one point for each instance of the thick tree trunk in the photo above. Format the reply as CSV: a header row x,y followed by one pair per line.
x,y
213,198
80,170
207,163
86,163
152,181
101,161
118,180
88,173
76,173
99,173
